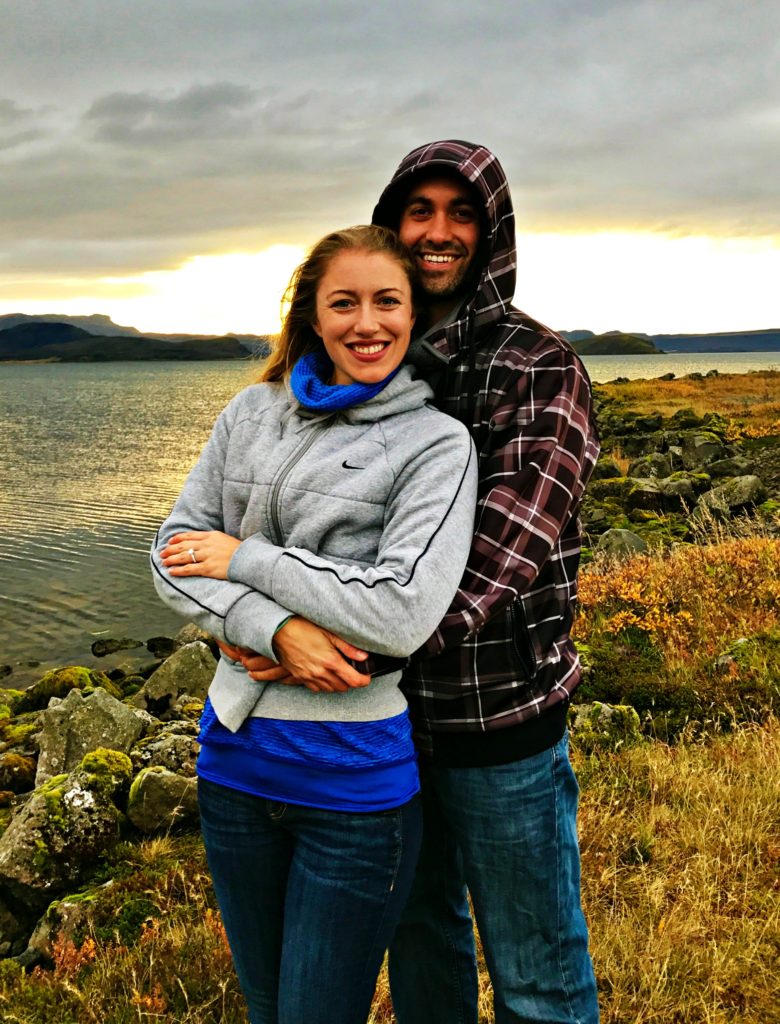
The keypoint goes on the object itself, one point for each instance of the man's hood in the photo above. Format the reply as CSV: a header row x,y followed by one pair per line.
x,y
495,287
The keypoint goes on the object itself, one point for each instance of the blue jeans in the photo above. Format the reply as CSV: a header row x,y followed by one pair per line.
x,y
508,834
309,899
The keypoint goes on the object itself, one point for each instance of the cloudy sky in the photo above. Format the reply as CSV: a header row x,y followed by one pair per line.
x,y
167,162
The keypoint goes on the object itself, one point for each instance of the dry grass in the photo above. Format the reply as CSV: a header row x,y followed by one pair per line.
x,y
751,401
681,869
681,875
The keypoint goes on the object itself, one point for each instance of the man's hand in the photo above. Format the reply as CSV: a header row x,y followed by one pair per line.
x,y
313,656
264,670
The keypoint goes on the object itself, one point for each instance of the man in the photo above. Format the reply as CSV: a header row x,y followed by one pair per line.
x,y
489,692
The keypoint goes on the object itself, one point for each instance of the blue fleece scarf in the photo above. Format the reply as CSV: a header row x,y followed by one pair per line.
x,y
309,378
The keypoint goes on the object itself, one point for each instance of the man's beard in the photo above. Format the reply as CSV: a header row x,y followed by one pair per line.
x,y
447,286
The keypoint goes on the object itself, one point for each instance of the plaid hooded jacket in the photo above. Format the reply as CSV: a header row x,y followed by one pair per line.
x,y
502,656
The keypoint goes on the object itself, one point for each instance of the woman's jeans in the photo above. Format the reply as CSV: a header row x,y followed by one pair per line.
x,y
508,833
310,900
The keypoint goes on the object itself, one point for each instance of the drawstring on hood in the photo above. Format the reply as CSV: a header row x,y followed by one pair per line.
x,y
495,287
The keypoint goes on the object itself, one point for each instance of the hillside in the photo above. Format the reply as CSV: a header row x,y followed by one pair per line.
x,y
102,326
727,341
614,344
68,344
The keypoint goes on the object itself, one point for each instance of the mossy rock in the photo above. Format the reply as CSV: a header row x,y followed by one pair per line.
x,y
109,772
600,726
685,419
60,681
18,734
606,469
11,699
17,773
613,488
660,529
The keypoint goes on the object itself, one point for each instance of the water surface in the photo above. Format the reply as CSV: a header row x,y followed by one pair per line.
x,y
92,456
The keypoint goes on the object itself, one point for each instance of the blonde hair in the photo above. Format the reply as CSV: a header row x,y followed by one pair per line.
x,y
297,337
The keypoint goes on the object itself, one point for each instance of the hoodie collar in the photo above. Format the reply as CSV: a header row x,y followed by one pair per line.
x,y
494,291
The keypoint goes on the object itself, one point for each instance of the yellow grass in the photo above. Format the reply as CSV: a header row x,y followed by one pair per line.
x,y
750,400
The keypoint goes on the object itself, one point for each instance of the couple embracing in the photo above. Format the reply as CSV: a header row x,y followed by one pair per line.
x,y
383,536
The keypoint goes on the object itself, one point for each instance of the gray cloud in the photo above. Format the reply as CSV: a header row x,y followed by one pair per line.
x,y
163,130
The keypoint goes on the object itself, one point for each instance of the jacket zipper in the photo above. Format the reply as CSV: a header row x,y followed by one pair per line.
x,y
284,472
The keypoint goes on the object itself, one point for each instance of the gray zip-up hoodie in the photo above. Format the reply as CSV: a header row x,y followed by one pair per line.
x,y
360,521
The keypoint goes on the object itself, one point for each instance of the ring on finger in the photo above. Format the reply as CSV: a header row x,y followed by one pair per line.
x,y
191,553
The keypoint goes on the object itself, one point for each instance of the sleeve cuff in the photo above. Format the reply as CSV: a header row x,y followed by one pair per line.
x,y
252,622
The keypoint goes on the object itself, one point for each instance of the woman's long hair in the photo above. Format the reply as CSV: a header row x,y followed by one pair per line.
x,y
297,336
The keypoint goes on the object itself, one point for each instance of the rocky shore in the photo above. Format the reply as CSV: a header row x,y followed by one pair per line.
x,y
88,758
662,480
92,757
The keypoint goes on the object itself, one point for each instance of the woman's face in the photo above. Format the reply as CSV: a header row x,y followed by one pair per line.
x,y
364,315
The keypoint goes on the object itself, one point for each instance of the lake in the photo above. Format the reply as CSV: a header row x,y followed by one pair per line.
x,y
92,456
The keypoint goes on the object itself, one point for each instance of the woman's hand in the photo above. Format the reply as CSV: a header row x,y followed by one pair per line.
x,y
200,553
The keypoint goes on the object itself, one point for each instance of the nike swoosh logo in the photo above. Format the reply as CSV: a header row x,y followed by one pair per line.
x,y
346,465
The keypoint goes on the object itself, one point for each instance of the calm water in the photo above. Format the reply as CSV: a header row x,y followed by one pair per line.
x,y
92,457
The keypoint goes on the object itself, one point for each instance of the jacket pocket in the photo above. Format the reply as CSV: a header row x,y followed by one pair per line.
x,y
521,640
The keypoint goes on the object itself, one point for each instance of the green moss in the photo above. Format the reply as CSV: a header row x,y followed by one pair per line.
x,y
600,726
60,681
53,792
617,488
106,770
11,699
17,735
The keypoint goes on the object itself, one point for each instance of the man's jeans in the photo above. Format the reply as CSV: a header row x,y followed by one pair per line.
x,y
309,899
509,833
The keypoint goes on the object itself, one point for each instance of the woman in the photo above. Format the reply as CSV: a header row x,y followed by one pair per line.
x,y
330,491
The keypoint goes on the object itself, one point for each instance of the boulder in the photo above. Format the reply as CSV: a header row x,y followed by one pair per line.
x,y
161,646
14,926
60,681
645,494
600,726
61,830
655,464
621,543
677,493
77,725
737,465
738,493
191,632
701,447
160,800
189,670
175,747
64,920
606,469
101,648
684,419
17,772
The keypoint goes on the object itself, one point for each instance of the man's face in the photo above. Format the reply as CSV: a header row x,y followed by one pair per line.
x,y
440,224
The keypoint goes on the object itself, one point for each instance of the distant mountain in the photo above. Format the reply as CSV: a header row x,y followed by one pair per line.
x,y
736,341
68,344
104,327
729,341
613,344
